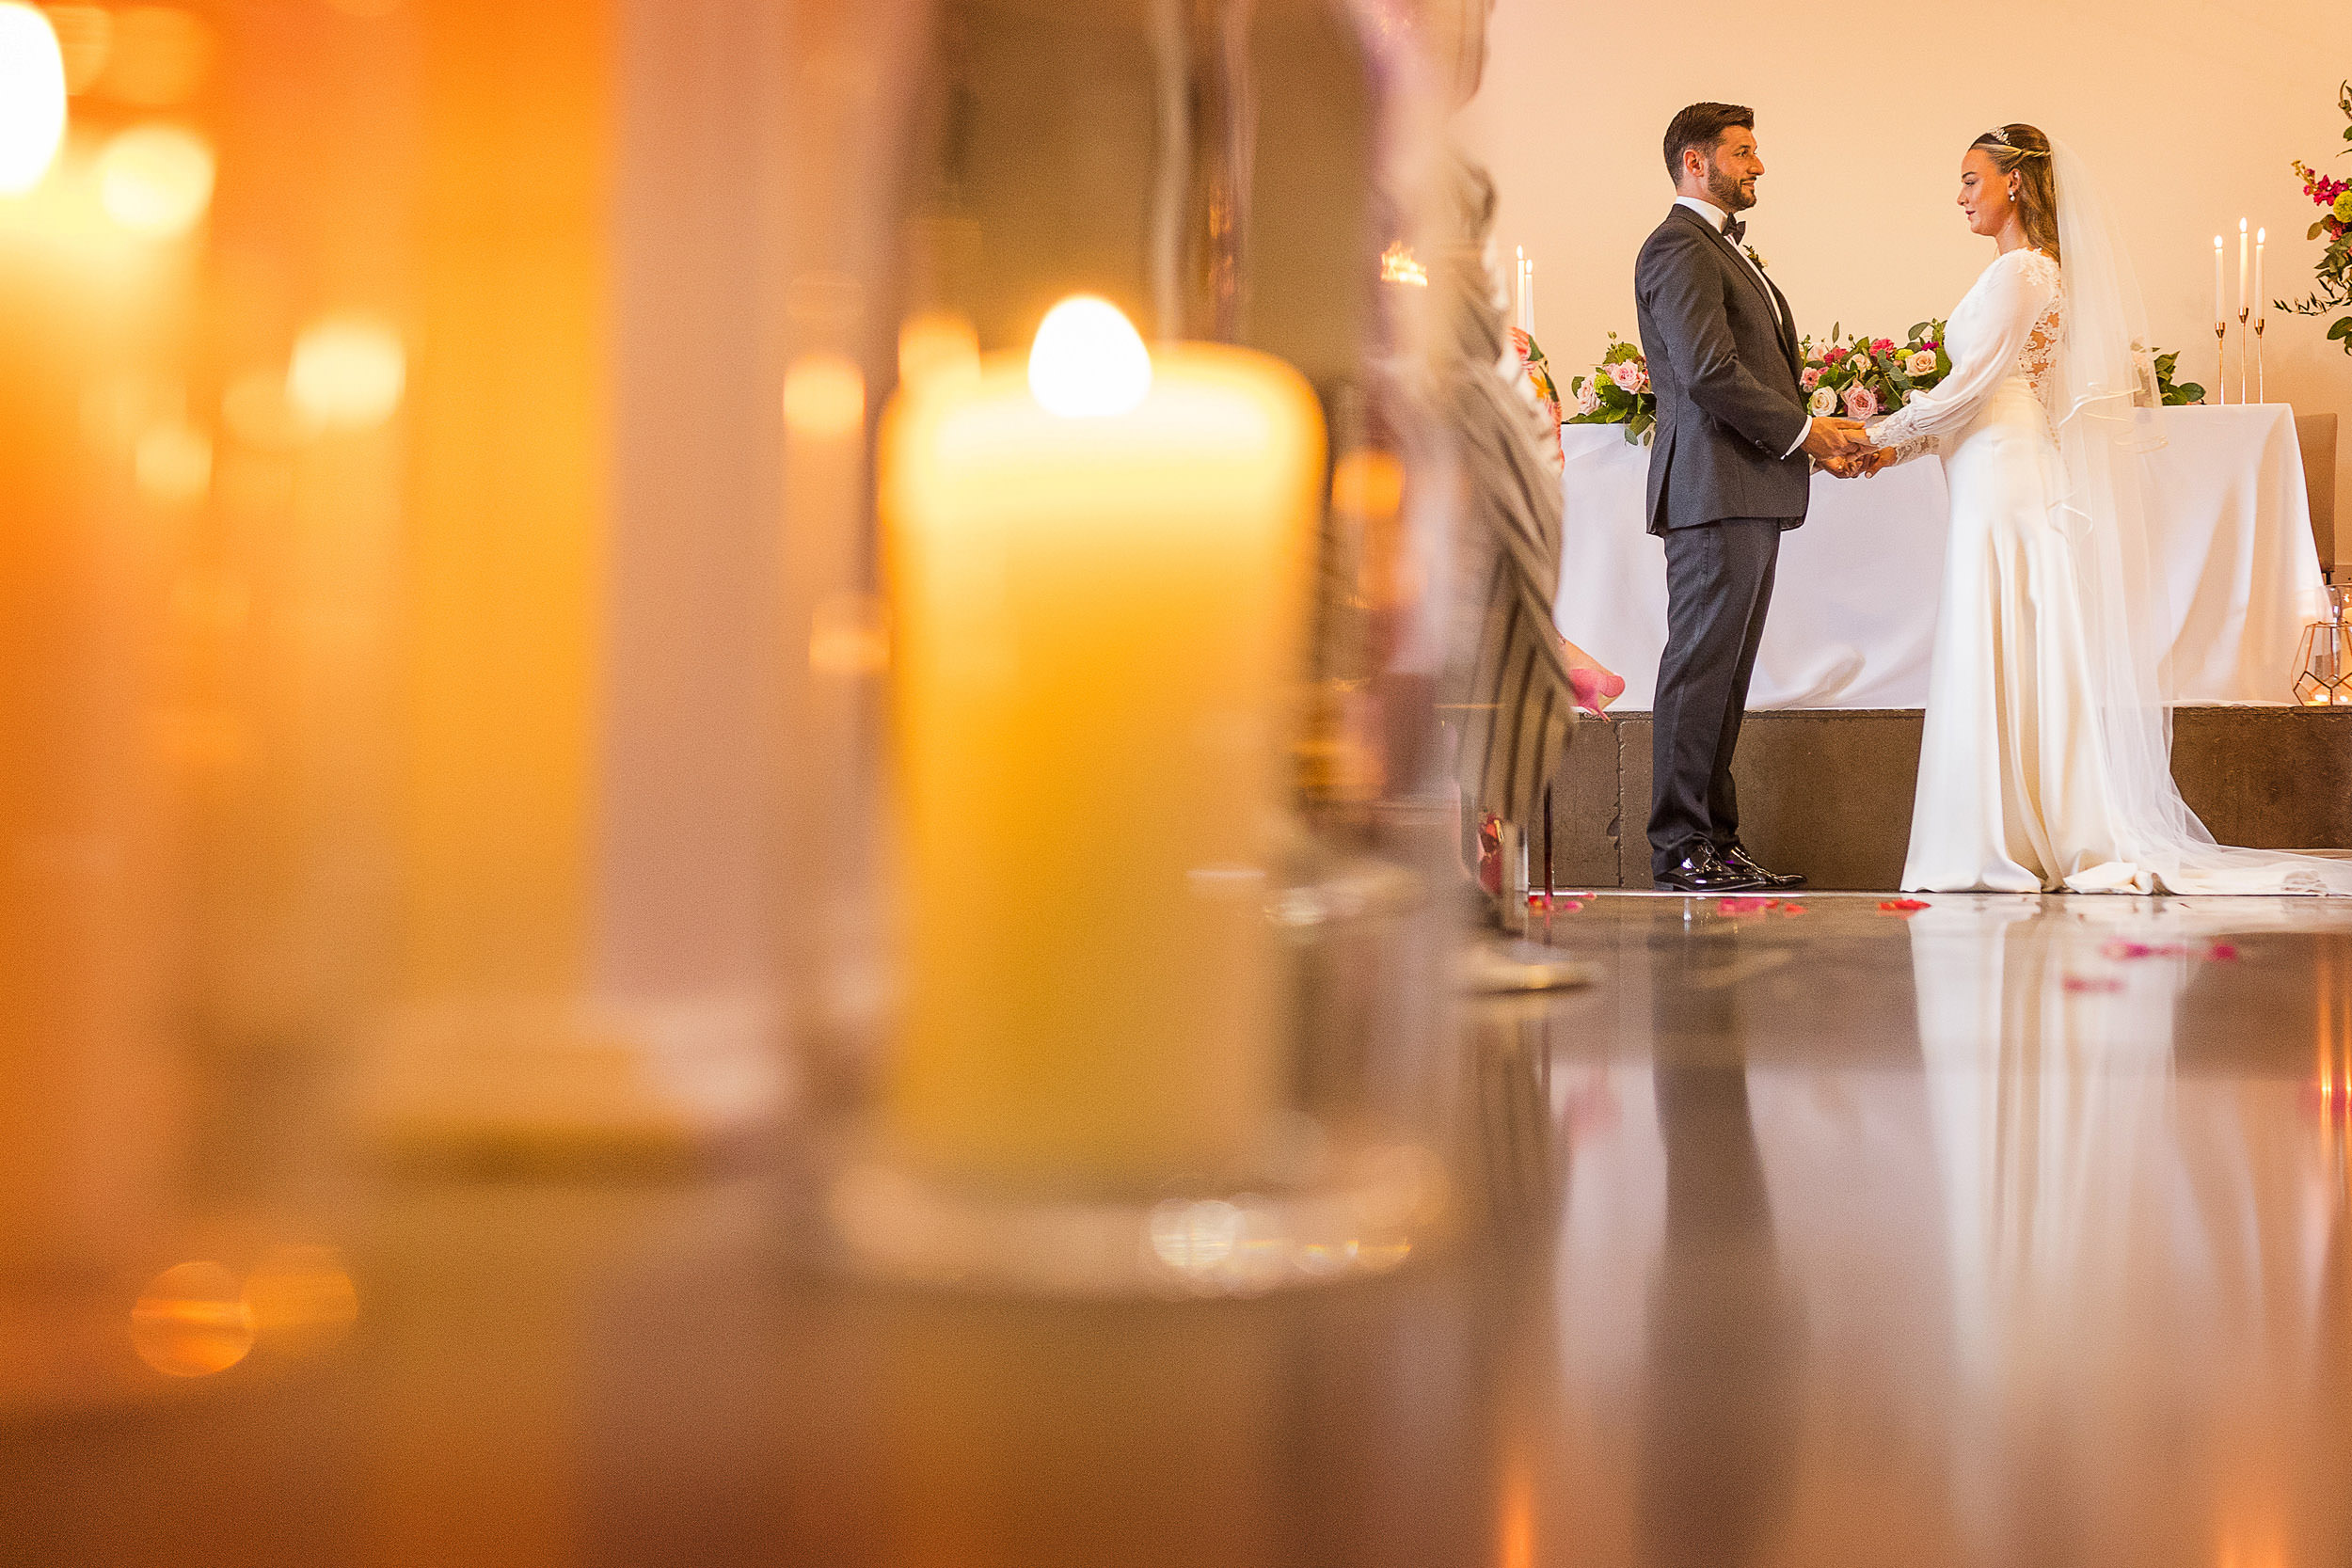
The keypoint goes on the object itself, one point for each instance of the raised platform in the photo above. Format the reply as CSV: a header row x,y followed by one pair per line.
x,y
1828,792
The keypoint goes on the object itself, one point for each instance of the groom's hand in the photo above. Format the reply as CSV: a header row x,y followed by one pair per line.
x,y
1827,438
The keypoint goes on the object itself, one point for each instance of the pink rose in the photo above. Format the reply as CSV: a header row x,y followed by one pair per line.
x,y
1860,403
1812,377
1884,345
1627,374
1587,398
1832,355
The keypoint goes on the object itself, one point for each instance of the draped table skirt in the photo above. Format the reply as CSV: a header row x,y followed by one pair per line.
x,y
1854,608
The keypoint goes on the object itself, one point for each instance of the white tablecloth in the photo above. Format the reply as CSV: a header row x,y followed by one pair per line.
x,y
1854,606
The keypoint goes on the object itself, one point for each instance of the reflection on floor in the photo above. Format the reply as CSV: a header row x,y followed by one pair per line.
x,y
2003,1231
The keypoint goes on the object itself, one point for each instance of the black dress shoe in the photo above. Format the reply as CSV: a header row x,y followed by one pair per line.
x,y
1736,858
1700,871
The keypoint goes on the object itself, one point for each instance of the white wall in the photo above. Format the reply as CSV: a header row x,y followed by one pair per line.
x,y
2190,110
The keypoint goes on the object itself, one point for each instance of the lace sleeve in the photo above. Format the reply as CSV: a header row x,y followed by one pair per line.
x,y
1991,331
1909,447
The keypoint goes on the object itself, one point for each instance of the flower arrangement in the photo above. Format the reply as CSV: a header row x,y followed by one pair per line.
x,y
1857,377
1617,391
1863,378
2334,267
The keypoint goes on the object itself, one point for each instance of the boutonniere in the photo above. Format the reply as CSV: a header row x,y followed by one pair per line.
x,y
1760,262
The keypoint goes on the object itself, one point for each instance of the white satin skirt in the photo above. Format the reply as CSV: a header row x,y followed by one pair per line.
x,y
2013,793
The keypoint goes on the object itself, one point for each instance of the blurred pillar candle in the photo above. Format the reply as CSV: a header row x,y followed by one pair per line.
x,y
563,989
1098,617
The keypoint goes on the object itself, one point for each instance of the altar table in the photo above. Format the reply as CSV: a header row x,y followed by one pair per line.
x,y
1854,606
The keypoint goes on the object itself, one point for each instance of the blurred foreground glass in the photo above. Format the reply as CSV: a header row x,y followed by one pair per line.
x,y
1166,866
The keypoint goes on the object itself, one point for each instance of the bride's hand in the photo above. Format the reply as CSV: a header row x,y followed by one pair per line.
x,y
1870,462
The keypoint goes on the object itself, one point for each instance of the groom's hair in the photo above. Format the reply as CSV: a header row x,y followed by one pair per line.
x,y
1702,125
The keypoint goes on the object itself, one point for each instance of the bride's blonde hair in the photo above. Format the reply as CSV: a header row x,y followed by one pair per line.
x,y
2025,151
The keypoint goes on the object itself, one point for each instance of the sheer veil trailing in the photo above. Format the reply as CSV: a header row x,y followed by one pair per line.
x,y
2105,416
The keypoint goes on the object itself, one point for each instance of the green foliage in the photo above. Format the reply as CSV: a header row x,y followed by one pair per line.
x,y
2177,394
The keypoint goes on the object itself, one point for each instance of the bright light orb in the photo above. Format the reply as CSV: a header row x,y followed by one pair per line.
x,y
32,96
156,180
347,372
1088,361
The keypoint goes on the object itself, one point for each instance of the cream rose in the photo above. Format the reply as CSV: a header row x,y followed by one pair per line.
x,y
1825,401
1922,362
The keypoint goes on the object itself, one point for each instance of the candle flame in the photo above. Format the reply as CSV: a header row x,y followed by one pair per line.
x,y
1088,361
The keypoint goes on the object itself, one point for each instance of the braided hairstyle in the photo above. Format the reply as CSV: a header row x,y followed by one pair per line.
x,y
2025,151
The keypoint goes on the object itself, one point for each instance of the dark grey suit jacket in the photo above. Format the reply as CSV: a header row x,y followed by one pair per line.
x,y
1724,368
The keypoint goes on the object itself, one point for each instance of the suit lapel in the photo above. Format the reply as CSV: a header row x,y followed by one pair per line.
x,y
1787,323
1783,319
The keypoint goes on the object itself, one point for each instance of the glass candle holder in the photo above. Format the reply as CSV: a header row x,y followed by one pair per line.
x,y
2324,663
1162,862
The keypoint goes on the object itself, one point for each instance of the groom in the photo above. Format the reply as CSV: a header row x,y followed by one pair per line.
x,y
1729,469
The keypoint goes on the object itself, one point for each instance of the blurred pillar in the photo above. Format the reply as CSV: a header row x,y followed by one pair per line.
x,y
91,905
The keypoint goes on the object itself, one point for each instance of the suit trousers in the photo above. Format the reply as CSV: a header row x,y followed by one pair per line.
x,y
1718,584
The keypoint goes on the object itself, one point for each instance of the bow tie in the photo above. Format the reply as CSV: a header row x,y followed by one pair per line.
x,y
1735,231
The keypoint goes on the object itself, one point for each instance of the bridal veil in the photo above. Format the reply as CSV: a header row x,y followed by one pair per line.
x,y
2105,416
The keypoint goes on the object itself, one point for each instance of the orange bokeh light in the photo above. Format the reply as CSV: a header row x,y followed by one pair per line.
x,y
191,1320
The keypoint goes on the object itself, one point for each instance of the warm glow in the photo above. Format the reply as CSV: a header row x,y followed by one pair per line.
x,y
173,464
32,96
156,180
1088,361
85,36
934,347
347,371
824,395
301,1299
255,408
160,56
191,1320
1368,483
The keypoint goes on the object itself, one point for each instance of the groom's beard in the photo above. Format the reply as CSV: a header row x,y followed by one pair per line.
x,y
1728,192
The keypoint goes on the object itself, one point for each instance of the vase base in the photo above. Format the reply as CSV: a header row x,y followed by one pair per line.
x,y
892,1224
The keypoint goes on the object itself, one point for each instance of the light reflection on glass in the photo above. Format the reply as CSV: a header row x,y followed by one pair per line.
x,y
192,1322
32,98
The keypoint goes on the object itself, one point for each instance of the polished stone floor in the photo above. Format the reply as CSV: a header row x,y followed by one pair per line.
x,y
2007,1230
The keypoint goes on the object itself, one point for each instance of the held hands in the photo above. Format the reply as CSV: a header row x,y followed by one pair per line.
x,y
1865,464
1827,438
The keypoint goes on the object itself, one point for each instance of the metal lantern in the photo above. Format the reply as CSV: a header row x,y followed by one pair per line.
x,y
2324,667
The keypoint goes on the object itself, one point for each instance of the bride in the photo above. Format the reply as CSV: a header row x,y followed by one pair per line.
x,y
2046,762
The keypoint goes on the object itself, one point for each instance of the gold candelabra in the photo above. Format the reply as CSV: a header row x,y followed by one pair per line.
x,y
2221,360
2241,313
2261,384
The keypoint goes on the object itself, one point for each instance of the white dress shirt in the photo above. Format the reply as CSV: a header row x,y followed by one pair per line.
x,y
1716,217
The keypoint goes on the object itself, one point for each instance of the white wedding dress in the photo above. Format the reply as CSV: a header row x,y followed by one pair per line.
x,y
2011,795
2046,759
